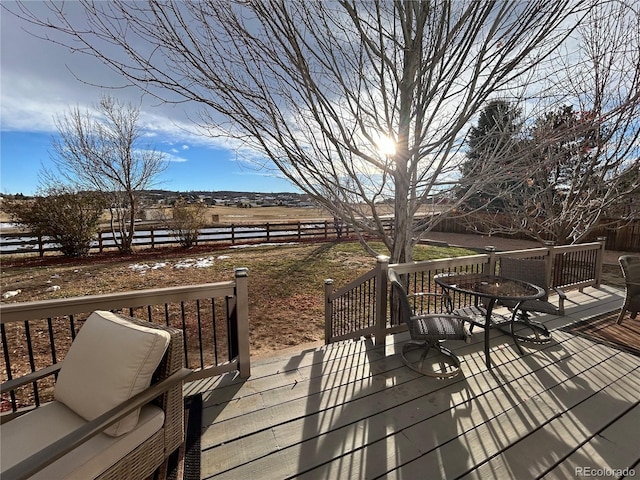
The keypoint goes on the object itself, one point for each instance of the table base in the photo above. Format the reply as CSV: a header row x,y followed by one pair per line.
x,y
540,333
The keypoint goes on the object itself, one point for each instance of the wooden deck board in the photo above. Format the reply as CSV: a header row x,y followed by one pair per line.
x,y
352,410
611,449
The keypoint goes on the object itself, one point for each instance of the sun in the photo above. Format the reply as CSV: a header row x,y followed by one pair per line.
x,y
386,145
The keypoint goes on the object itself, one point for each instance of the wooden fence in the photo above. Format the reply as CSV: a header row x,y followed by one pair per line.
x,y
624,237
620,235
24,243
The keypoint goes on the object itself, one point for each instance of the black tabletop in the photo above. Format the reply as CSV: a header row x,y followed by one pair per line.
x,y
490,286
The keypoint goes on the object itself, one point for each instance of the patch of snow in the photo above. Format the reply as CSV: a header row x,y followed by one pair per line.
x,y
11,293
223,257
204,262
139,267
186,263
53,288
195,263
264,245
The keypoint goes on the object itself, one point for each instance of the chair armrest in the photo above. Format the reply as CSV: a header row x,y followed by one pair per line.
x,y
14,383
66,444
560,293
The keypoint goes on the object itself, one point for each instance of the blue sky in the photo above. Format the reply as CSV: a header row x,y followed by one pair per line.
x,y
37,83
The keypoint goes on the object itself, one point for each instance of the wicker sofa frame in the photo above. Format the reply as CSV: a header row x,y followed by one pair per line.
x,y
630,265
165,391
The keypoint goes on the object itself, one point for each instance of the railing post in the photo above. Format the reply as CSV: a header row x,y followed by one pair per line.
x,y
242,317
151,234
233,234
328,310
268,230
549,261
381,299
491,250
40,246
600,260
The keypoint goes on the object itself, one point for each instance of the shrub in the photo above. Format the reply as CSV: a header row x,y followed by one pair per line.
x,y
188,220
67,217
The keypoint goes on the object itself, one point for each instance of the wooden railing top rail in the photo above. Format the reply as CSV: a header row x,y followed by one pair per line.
x,y
440,264
350,286
525,253
13,312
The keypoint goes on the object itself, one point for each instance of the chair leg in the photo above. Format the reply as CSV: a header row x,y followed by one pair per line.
x,y
540,332
623,310
414,344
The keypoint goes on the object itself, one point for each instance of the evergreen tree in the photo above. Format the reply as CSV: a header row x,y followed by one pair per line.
x,y
494,141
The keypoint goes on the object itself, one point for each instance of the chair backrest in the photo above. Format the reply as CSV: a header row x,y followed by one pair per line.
x,y
527,270
630,265
400,307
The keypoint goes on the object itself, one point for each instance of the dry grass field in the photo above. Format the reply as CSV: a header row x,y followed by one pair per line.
x,y
286,282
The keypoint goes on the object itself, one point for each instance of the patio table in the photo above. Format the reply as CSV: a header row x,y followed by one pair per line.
x,y
490,289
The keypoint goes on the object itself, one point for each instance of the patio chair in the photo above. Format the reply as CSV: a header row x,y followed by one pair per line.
x,y
533,271
428,331
630,265
117,410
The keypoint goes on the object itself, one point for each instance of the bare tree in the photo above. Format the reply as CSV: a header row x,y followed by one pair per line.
x,y
102,151
315,85
581,161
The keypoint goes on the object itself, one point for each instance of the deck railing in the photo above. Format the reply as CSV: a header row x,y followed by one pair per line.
x,y
350,313
213,317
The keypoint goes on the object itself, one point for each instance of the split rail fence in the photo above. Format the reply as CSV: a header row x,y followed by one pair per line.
x,y
25,243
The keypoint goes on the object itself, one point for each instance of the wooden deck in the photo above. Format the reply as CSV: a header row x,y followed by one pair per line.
x,y
349,411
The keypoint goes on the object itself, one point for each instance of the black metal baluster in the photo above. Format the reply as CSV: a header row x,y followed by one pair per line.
x,y
52,342
184,335
7,362
166,314
72,325
32,363
200,334
215,330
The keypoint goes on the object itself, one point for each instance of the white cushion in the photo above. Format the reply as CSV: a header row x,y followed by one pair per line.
x,y
37,429
110,361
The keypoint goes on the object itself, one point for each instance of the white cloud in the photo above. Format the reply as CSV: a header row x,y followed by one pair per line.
x,y
169,157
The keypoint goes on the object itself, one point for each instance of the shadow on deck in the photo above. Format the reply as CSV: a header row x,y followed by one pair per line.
x,y
353,410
